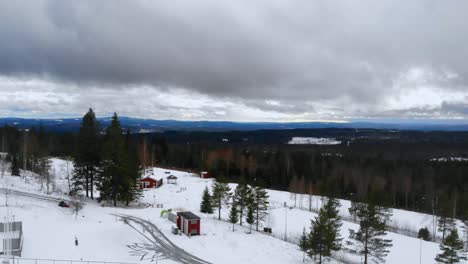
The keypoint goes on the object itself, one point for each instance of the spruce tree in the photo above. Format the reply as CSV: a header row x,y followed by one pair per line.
x,y
220,195
452,249
250,218
205,206
132,170
242,198
334,224
233,216
369,240
88,156
15,171
317,237
304,243
260,204
113,172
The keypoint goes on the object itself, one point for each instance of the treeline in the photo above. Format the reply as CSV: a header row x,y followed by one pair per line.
x,y
106,161
409,183
396,165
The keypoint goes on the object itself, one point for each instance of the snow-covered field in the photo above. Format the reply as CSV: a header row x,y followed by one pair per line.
x,y
449,159
314,141
49,230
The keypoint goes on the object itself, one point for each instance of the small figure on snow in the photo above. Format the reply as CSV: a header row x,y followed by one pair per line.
x,y
76,241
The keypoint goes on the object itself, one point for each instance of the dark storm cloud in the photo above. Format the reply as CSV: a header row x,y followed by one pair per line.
x,y
294,51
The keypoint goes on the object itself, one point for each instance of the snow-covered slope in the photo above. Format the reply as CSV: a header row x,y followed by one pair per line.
x,y
50,230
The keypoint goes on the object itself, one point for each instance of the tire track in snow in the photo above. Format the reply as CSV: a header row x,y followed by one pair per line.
x,y
161,243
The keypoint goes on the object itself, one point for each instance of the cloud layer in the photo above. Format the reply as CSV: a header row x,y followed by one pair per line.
x,y
265,59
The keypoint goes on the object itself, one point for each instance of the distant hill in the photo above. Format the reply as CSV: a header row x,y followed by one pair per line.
x,y
137,125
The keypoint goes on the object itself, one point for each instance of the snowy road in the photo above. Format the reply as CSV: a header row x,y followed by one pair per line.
x,y
34,195
162,245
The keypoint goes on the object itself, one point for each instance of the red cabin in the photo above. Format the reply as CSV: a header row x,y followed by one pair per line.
x,y
206,175
149,182
188,223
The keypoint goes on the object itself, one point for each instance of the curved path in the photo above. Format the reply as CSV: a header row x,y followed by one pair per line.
x,y
162,245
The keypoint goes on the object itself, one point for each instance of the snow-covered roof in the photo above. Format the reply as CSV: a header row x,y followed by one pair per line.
x,y
188,215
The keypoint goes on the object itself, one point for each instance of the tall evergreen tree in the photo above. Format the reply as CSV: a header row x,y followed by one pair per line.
x,y
325,228
205,206
250,218
132,170
331,209
369,240
260,204
242,198
113,170
233,215
15,171
220,195
452,249
88,156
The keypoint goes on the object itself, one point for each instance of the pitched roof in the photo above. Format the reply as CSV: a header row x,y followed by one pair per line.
x,y
188,215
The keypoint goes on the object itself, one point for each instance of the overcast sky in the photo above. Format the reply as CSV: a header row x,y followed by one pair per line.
x,y
262,60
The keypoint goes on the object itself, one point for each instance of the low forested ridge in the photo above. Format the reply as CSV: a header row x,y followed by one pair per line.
x,y
414,170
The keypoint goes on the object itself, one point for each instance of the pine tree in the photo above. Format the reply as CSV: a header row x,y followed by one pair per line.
x,y
220,195
250,219
14,166
368,240
242,198
452,249
444,224
205,206
317,237
325,228
233,216
260,204
334,224
445,221
88,157
304,243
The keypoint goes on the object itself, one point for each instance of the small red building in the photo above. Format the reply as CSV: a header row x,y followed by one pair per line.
x,y
149,182
206,175
188,223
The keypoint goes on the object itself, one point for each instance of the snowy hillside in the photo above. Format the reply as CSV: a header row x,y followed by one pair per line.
x,y
104,237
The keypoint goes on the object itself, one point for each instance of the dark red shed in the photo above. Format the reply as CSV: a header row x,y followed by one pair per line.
x,y
148,182
188,223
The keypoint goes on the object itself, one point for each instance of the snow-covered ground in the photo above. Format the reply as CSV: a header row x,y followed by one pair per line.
x,y
49,230
314,141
